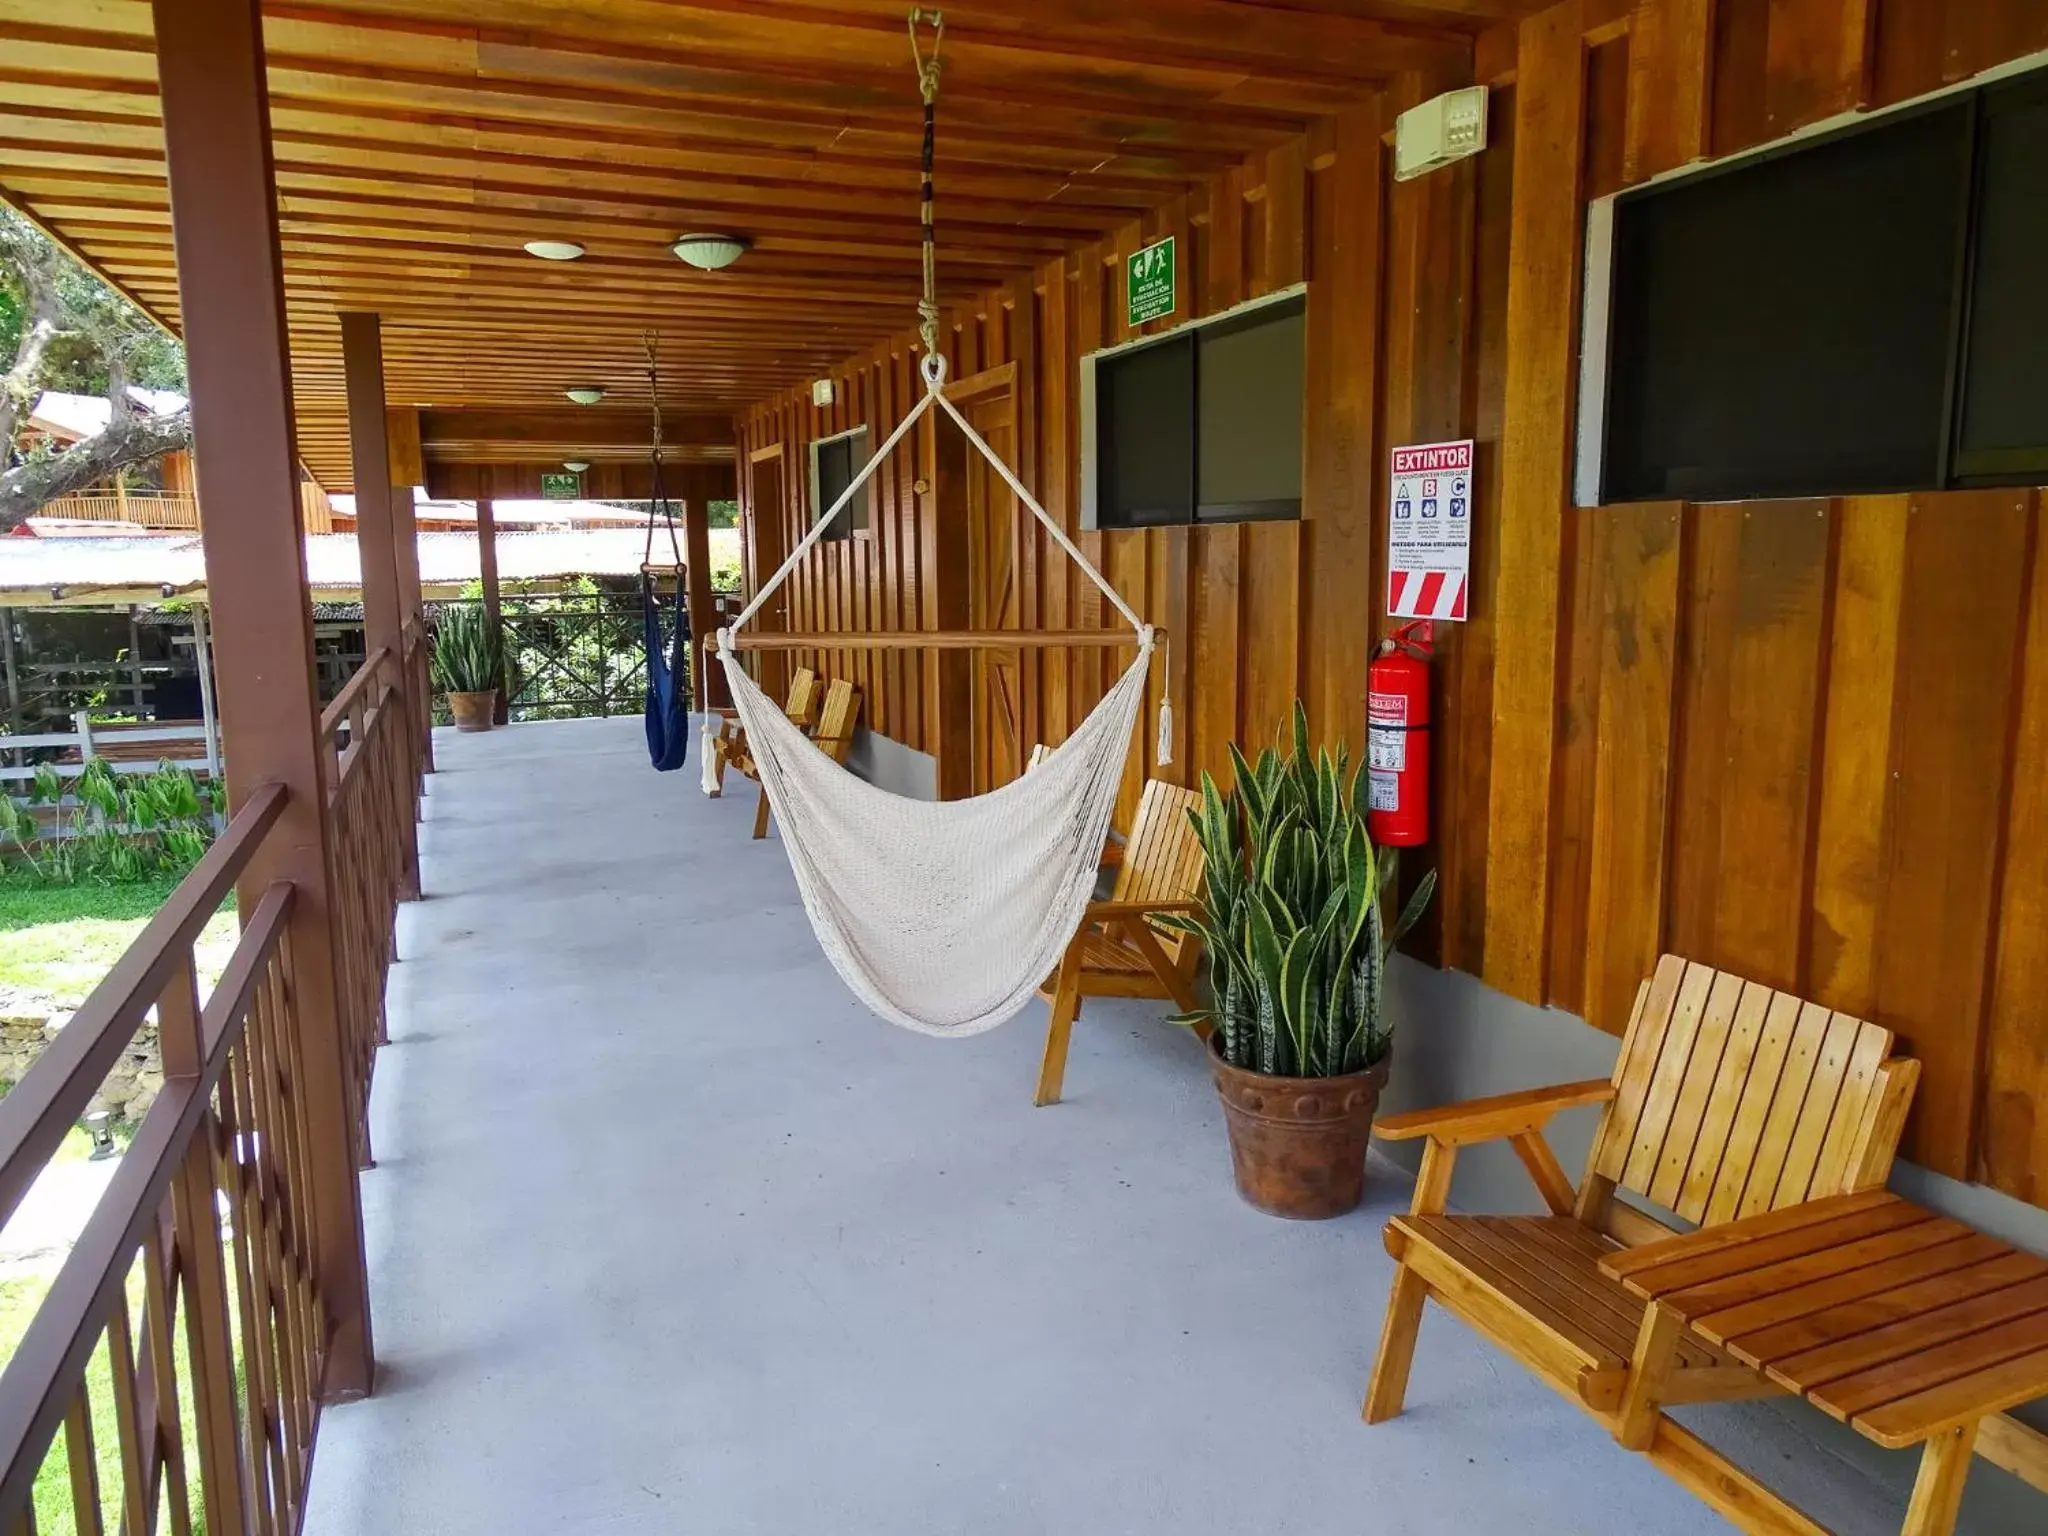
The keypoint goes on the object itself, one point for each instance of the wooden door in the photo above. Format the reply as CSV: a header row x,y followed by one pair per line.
x,y
767,547
992,533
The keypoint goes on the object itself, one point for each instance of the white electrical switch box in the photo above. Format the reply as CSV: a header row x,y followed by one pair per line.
x,y
821,392
1443,129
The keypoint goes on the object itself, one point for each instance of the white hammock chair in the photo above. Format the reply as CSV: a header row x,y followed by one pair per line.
x,y
943,917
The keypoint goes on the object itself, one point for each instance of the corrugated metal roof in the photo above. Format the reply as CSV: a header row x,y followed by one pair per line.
x,y
83,416
51,571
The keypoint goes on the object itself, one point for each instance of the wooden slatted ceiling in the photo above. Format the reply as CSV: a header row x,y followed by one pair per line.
x,y
419,145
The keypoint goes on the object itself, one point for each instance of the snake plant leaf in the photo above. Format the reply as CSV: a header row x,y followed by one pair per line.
x,y
1297,1003
1411,914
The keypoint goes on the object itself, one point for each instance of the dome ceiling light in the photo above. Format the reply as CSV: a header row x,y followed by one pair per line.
x,y
554,250
711,253
575,466
586,394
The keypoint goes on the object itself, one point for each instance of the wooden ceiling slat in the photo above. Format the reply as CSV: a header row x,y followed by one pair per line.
x,y
420,143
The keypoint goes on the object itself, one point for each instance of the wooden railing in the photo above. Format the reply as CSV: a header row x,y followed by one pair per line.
x,y
180,1353
179,1356
147,509
374,737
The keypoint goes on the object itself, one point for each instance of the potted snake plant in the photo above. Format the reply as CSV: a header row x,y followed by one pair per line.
x,y
468,666
1292,914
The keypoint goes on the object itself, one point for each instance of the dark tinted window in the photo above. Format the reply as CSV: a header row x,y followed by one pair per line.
x,y
2002,428
1249,394
1205,424
1785,327
839,459
1145,434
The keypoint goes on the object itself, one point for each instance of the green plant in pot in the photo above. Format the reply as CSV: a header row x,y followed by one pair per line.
x,y
1292,914
468,665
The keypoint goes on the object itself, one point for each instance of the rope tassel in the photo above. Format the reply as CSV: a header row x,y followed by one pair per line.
x,y
1163,748
707,756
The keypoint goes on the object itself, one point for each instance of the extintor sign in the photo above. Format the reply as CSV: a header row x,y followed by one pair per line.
x,y
1429,531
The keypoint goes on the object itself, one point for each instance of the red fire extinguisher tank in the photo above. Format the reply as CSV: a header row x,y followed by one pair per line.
x,y
1397,739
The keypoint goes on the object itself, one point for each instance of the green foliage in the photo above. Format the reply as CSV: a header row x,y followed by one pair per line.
x,y
466,655
121,828
1293,913
721,514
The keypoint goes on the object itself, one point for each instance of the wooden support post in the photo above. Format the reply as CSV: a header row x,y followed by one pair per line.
x,y
383,519
412,605
216,124
697,551
10,673
209,715
494,606
362,363
135,684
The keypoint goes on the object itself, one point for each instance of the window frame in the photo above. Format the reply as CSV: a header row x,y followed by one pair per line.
x,y
1188,333
855,521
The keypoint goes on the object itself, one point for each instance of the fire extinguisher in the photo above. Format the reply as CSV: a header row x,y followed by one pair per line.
x,y
1397,738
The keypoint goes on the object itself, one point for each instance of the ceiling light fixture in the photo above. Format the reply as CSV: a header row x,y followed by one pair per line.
x,y
575,466
711,253
586,394
554,250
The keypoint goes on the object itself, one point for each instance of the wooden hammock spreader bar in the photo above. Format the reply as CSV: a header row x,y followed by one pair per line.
x,y
937,639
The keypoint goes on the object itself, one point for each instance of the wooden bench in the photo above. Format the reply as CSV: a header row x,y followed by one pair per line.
x,y
837,719
1729,1101
1119,951
729,747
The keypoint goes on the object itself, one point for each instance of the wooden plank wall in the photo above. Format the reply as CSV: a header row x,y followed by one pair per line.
x,y
1801,740
1258,613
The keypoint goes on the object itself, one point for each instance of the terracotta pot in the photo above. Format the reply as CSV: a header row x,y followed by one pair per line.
x,y
1297,1144
473,711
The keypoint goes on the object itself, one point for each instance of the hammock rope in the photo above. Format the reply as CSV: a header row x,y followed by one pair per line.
x,y
943,917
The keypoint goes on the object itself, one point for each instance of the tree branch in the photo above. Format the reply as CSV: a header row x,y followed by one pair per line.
x,y
42,322
27,488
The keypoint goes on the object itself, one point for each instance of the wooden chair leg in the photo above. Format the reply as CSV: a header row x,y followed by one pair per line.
x,y
1938,1491
761,815
1389,1386
1066,1007
1635,1425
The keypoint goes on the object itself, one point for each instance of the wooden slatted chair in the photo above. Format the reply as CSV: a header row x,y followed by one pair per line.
x,y
729,749
1728,1100
1112,845
833,736
1119,951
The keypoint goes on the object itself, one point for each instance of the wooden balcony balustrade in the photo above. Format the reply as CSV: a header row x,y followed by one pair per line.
x,y
182,1351
172,511
169,510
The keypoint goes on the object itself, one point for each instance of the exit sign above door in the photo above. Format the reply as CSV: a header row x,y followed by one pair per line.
x,y
1149,283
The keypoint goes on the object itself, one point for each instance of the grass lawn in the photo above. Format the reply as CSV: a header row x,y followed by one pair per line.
x,y
56,942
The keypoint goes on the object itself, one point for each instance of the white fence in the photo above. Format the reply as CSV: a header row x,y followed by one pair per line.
x,y
126,749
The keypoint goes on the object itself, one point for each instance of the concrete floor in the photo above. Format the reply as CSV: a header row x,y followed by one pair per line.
x,y
668,1235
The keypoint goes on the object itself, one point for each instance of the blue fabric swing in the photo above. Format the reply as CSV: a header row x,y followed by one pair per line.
x,y
667,647
668,678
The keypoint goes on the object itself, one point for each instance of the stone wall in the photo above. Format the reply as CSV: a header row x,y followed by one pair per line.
x,y
131,1086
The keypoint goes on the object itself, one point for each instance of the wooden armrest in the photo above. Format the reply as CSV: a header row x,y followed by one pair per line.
x,y
1108,910
1492,1119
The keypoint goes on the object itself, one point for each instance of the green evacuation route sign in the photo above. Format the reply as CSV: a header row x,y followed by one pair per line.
x,y
1149,282
560,485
